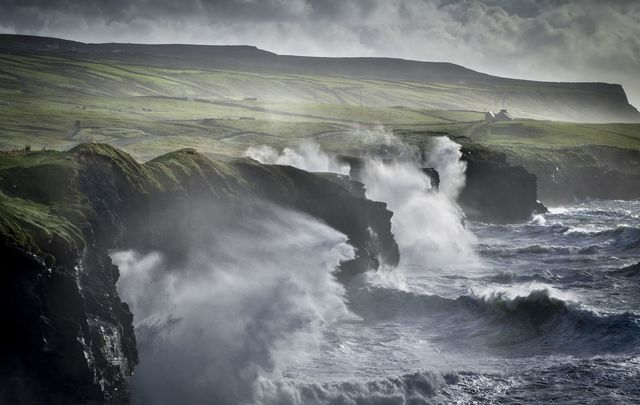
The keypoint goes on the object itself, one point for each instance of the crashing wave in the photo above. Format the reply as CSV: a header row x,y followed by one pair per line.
x,y
420,388
536,322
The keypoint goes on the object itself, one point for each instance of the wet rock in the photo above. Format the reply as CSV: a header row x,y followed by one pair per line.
x,y
433,175
497,191
68,337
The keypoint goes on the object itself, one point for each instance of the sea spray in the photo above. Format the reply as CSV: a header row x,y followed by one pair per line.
x,y
445,156
415,388
235,313
427,223
306,156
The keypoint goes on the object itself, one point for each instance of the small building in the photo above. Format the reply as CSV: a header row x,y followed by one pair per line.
x,y
489,116
503,115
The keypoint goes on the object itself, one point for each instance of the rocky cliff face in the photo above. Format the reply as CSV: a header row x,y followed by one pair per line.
x,y
497,191
597,172
70,337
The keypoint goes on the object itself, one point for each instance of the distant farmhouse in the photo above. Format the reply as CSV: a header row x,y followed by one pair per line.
x,y
503,115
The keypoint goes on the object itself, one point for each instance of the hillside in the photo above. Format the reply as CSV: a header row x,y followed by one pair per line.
x,y
149,100
239,72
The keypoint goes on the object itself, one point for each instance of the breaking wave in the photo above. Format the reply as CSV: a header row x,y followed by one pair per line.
x,y
530,321
238,310
428,223
306,156
418,388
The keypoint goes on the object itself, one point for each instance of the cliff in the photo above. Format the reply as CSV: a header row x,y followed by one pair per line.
x,y
70,338
497,191
566,175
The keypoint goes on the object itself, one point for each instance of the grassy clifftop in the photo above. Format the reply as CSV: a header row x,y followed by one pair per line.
x,y
151,100
58,97
56,203
43,209
228,72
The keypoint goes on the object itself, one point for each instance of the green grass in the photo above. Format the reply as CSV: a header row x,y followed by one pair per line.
x,y
525,133
43,207
151,110
37,228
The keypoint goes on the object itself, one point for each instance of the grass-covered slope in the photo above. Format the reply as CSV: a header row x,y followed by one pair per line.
x,y
50,201
151,100
242,71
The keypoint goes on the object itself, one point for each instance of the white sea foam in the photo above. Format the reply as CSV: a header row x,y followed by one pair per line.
x,y
256,300
306,156
428,224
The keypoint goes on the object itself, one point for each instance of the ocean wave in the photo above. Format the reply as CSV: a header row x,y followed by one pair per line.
x,y
632,271
564,240
622,237
524,324
608,379
511,278
539,249
419,388
540,277
600,380
536,249
590,250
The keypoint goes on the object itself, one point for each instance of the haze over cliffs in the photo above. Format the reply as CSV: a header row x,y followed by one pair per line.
x,y
362,167
365,81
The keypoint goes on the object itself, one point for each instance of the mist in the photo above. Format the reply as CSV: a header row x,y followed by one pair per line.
x,y
540,40
427,222
238,311
306,156
257,293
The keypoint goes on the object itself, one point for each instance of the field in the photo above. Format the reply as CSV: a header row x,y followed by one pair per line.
x,y
54,102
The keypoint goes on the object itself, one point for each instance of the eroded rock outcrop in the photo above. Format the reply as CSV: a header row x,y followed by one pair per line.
x,y
71,338
496,191
573,174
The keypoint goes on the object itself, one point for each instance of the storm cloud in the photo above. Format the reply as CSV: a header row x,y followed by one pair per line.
x,y
557,40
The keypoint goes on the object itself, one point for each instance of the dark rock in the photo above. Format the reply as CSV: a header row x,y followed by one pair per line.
x,y
540,208
68,337
595,172
497,191
434,176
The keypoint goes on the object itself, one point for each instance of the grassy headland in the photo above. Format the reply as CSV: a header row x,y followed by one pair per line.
x,y
148,105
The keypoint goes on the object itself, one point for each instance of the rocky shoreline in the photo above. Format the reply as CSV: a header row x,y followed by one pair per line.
x,y
72,338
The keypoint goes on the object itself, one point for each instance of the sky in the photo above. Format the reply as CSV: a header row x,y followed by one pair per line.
x,y
556,40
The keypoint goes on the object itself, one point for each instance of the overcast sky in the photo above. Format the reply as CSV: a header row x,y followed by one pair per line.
x,y
580,40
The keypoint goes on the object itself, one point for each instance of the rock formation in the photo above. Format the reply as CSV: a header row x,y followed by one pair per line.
x,y
497,191
69,336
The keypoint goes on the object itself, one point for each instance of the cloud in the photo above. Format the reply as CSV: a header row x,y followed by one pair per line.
x,y
555,40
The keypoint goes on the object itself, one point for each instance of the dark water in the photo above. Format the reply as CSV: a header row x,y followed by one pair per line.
x,y
546,313
542,312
